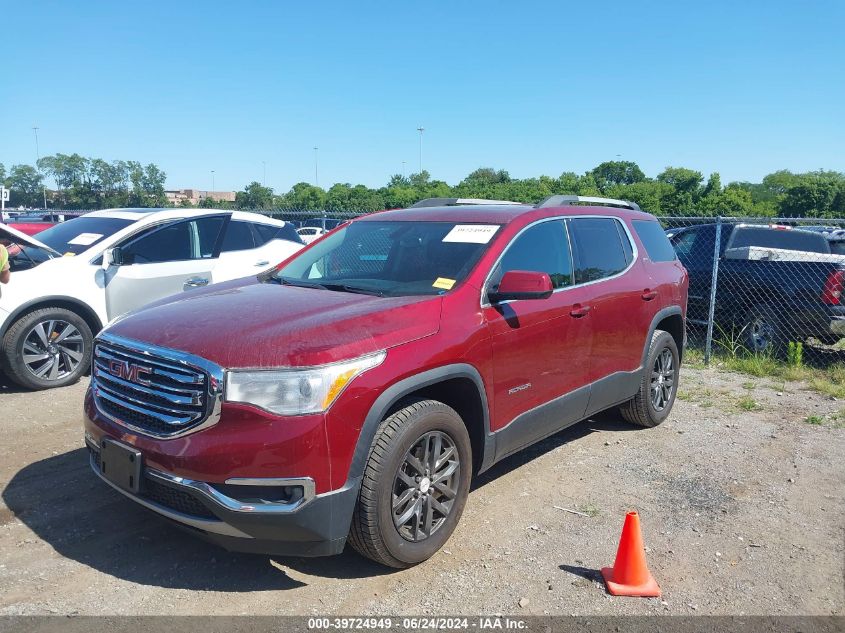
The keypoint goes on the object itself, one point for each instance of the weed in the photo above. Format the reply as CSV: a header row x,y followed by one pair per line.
x,y
749,404
795,354
814,419
748,385
730,342
589,509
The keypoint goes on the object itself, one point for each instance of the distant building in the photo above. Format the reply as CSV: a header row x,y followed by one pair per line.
x,y
194,196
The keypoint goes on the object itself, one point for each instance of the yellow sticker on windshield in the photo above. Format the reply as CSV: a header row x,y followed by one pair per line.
x,y
443,283
69,254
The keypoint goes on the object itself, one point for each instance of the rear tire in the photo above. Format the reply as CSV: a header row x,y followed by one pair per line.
x,y
659,385
415,485
47,348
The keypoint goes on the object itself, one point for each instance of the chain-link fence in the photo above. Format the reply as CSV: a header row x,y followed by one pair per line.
x,y
763,286
769,286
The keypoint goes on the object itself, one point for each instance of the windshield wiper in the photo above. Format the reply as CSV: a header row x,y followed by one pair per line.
x,y
355,289
336,287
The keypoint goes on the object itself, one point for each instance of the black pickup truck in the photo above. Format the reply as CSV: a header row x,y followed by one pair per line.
x,y
776,284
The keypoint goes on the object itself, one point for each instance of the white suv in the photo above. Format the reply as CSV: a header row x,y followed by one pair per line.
x,y
75,277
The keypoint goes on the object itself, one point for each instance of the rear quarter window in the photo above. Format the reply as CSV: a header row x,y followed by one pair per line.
x,y
654,239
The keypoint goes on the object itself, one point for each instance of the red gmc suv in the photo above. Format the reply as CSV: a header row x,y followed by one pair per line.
x,y
352,391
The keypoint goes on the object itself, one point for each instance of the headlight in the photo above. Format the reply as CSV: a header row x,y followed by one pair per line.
x,y
296,391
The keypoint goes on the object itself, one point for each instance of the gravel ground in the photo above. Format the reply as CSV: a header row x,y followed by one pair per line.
x,y
741,501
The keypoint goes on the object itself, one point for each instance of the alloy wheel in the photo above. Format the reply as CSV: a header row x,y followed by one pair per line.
x,y
662,379
761,334
53,349
425,486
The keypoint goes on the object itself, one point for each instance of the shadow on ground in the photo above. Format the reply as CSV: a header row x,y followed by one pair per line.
x,y
70,509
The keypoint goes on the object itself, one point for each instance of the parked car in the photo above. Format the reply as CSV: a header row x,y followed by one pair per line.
x,y
352,391
326,224
80,274
32,224
776,284
310,233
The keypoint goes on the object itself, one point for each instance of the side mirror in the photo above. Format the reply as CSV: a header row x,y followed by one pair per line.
x,y
523,284
112,257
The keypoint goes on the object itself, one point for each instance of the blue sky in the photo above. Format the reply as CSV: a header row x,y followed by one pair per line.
x,y
740,87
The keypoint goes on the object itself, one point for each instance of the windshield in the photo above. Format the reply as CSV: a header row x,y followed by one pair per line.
x,y
391,258
80,234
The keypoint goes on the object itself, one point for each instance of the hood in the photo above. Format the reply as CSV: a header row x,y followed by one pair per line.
x,y
19,237
253,324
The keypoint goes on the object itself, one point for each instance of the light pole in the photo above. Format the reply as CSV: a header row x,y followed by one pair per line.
x,y
421,129
37,159
212,181
316,178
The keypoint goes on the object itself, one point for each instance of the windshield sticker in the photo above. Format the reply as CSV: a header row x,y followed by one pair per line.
x,y
69,254
443,283
85,239
471,233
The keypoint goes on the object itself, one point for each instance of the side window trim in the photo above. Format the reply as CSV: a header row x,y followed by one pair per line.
x,y
484,303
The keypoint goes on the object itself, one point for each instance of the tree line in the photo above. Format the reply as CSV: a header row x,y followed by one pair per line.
x,y
85,183
91,183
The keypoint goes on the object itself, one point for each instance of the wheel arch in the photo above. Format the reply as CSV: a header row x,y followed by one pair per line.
x,y
68,303
669,320
459,386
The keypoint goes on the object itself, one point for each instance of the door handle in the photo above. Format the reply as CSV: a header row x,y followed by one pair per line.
x,y
649,294
579,311
195,282
262,262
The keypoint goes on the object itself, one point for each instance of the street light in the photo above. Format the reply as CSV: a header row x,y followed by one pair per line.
x,y
212,181
37,159
316,178
420,129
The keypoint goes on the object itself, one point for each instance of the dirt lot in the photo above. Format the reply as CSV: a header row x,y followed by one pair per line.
x,y
740,493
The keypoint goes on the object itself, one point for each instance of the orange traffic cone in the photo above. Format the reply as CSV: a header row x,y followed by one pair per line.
x,y
629,575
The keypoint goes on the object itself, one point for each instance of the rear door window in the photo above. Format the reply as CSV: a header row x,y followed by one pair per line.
x,y
654,239
238,237
598,247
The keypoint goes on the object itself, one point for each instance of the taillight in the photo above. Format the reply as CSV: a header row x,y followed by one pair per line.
x,y
832,291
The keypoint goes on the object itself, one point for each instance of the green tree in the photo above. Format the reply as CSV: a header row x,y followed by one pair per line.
x,y
818,197
686,190
617,172
26,186
254,196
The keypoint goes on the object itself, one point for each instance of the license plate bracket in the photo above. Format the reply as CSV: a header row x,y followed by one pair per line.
x,y
121,465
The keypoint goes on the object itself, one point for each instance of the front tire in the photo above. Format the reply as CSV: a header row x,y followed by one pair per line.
x,y
415,485
659,385
47,348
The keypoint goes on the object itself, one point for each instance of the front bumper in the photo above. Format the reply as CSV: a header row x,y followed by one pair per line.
x,y
307,524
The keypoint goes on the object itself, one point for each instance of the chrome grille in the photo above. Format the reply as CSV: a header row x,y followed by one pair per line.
x,y
153,390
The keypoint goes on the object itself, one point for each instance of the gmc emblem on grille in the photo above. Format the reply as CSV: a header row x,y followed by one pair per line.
x,y
129,371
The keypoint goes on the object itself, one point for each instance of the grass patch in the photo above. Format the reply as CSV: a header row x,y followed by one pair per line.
x,y
749,404
590,510
828,381
814,419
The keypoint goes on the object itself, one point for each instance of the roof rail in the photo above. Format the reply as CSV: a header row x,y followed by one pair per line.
x,y
557,201
454,202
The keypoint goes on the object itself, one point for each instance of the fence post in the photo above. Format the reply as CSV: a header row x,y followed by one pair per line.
x,y
714,280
